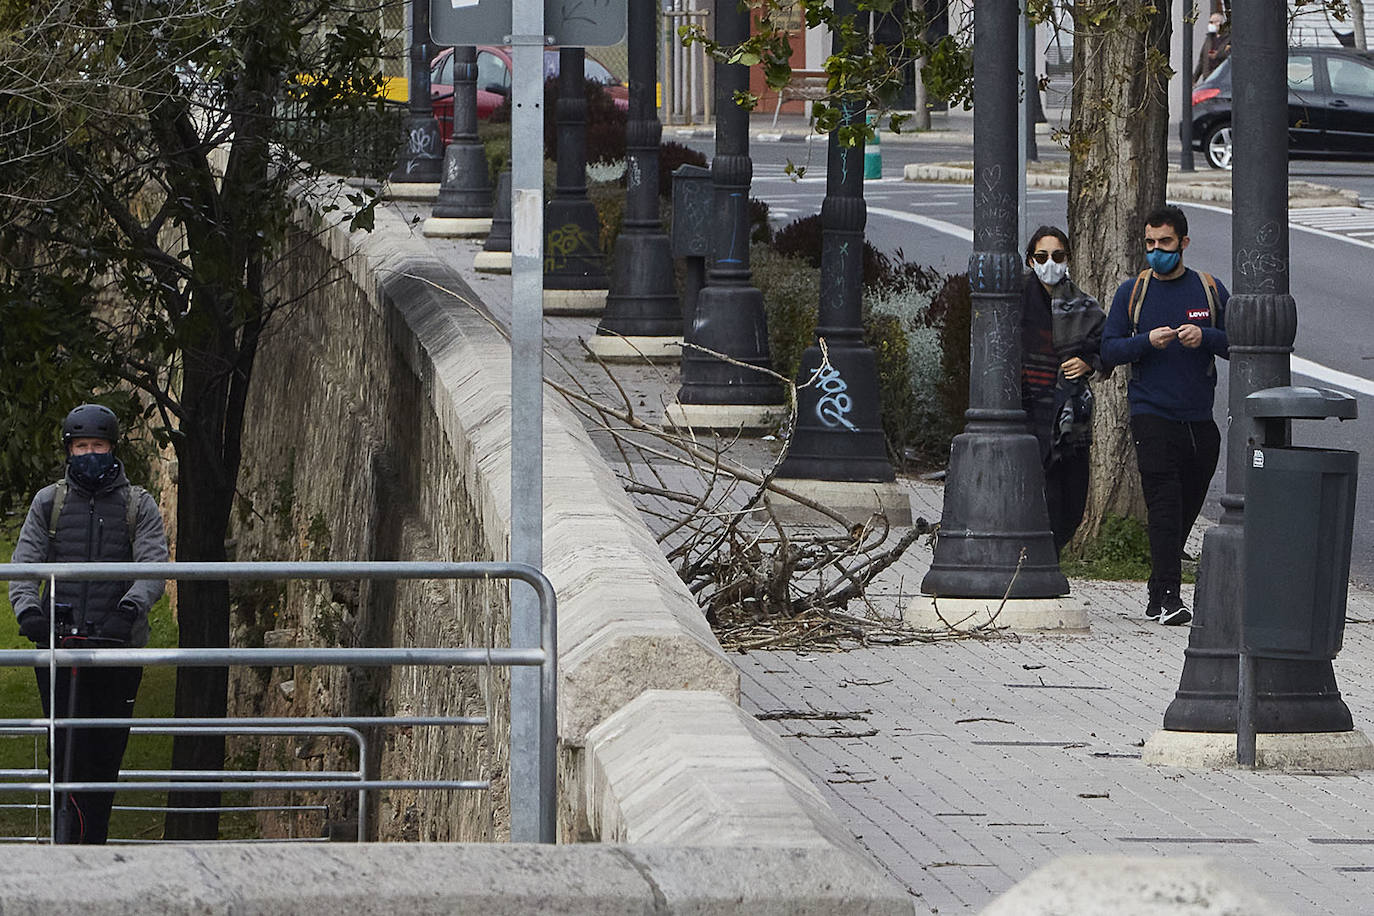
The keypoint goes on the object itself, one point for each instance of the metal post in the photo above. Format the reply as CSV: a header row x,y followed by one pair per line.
x,y
421,158
527,380
1034,114
729,317
839,431
1025,127
495,254
1185,157
466,189
1261,323
995,531
643,299
572,230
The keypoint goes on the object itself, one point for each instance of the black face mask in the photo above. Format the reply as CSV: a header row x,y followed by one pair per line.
x,y
92,469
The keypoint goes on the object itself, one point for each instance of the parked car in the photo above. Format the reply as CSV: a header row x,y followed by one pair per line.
x,y
493,81
1330,106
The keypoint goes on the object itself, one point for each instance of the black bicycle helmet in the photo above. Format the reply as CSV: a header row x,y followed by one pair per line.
x,y
90,421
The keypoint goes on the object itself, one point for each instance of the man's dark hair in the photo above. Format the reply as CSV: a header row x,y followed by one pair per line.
x,y
1169,216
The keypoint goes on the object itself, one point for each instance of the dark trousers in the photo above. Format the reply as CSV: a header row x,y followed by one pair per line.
x,y
1177,461
1066,495
88,754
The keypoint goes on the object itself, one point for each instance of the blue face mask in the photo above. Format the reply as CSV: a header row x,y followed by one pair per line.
x,y
1163,262
91,469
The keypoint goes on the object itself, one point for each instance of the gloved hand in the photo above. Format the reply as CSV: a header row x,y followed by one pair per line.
x,y
120,624
33,626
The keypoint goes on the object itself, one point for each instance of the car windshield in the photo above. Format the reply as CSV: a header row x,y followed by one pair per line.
x,y
593,69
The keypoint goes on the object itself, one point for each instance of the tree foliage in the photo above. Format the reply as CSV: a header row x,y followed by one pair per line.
x,y
147,170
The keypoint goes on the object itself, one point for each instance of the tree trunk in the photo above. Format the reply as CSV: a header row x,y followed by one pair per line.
x,y
1357,20
1117,175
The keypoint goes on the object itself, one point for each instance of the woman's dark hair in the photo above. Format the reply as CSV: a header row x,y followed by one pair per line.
x,y
1043,231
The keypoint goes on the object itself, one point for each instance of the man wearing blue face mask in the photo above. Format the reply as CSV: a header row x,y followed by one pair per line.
x,y
92,515
1169,324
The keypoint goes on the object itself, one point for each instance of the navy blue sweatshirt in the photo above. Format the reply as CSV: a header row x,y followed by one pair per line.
x,y
1176,383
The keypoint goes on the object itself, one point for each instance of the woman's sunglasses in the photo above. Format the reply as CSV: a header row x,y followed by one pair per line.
x,y
1059,256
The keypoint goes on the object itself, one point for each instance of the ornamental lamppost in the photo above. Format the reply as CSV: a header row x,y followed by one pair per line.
x,y
1295,696
643,316
729,315
994,537
574,267
421,157
838,440
463,209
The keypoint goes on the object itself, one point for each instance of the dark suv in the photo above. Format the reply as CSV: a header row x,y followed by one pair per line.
x,y
1330,106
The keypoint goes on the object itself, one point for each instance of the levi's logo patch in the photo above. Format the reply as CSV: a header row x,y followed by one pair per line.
x,y
1199,314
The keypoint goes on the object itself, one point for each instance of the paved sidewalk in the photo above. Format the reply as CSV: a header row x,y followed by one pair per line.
x,y
964,765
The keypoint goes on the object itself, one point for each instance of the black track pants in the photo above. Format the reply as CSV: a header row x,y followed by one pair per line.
x,y
95,753
1177,461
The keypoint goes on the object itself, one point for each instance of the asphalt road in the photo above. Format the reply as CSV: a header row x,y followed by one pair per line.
x,y
932,224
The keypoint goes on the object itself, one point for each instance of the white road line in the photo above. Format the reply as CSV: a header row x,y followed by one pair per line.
x,y
1306,367
938,225
1193,205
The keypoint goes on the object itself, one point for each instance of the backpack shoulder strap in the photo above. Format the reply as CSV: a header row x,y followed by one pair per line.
x,y
1209,286
135,496
1142,283
59,498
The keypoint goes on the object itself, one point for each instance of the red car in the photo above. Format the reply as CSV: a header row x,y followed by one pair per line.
x,y
493,82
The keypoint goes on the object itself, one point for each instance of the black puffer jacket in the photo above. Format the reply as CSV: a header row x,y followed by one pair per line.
x,y
93,527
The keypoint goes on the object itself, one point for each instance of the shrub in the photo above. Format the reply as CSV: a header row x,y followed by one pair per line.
x,y
801,238
671,155
791,293
1121,551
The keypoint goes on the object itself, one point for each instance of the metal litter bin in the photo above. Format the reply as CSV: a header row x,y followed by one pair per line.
x,y
1299,520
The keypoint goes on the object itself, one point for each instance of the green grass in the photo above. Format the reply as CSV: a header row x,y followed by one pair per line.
x,y
1121,551
156,696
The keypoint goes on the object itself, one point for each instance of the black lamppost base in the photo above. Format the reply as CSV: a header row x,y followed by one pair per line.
x,y
421,160
992,540
730,320
839,434
643,300
466,189
572,246
1292,696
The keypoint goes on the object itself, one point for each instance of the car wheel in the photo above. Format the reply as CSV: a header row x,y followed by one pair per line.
x,y
1217,146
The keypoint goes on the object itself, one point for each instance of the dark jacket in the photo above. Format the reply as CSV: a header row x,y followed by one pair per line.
x,y
1177,383
93,527
1055,327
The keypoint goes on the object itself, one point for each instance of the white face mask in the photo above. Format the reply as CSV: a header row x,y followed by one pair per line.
x,y
1051,272
1213,28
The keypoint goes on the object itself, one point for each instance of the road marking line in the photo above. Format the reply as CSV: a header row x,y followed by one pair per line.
x,y
1193,205
938,225
1322,373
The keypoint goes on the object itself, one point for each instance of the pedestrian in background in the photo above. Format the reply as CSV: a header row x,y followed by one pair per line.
x,y
1216,47
1061,331
91,515
1168,324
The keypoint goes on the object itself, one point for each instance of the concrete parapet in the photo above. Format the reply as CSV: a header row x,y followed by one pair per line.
x,y
626,623
441,878
689,768
1133,886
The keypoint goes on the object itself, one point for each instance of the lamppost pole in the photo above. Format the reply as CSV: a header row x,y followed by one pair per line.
x,y
642,302
421,158
1261,324
464,205
839,431
729,315
994,535
1185,157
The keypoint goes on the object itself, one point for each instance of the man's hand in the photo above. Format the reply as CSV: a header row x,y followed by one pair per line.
x,y
1190,335
1162,337
119,625
34,626
1073,367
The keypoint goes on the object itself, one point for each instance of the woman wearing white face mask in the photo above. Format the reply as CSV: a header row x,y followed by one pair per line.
x,y
1061,329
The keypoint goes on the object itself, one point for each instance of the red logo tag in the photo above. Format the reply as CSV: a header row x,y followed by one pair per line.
x,y
1199,314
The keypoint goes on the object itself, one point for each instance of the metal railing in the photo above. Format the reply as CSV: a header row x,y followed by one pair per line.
x,y
685,71
532,788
